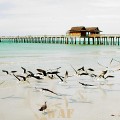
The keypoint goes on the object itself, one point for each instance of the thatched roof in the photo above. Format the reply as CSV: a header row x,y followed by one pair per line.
x,y
93,29
77,29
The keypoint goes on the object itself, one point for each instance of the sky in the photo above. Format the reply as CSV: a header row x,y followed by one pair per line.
x,y
56,17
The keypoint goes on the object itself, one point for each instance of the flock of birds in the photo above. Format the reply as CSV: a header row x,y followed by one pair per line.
x,y
55,73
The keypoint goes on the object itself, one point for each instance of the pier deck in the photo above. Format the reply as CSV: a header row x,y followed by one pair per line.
x,y
102,39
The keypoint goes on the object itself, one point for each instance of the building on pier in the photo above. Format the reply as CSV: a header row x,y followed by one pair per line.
x,y
93,31
77,31
84,31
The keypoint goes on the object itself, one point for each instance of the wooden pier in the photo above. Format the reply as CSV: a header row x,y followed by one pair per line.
x,y
102,39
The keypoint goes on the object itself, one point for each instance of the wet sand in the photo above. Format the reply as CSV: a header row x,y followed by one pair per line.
x,y
21,100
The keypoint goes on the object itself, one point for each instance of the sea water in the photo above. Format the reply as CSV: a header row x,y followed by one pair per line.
x,y
14,55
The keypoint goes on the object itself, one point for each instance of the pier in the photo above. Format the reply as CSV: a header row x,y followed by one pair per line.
x,y
101,39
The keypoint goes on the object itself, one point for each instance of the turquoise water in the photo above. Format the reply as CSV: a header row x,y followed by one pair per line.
x,y
15,55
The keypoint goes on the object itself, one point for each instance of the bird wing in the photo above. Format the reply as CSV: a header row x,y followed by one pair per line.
x,y
109,76
111,61
84,74
90,69
49,90
31,73
86,84
17,77
13,71
5,71
2,82
74,69
102,65
116,60
81,83
43,71
54,72
82,68
60,78
24,69
24,78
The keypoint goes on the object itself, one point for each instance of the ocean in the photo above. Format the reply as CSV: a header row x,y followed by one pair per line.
x,y
54,55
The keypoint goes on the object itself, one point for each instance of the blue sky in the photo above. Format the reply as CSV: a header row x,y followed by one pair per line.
x,y
45,17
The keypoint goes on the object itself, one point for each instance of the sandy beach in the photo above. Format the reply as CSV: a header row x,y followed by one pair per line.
x,y
73,101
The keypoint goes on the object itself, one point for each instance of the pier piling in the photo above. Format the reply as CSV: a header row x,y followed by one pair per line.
x,y
64,39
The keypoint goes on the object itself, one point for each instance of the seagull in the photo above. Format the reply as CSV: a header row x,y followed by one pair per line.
x,y
32,75
43,107
43,71
45,89
102,74
24,78
82,68
66,74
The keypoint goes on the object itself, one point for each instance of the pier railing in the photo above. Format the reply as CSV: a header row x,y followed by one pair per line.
x,y
94,39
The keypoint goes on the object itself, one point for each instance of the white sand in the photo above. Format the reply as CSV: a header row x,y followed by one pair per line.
x,y
21,101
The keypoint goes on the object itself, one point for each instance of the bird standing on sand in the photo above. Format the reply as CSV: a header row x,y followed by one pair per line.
x,y
66,74
44,107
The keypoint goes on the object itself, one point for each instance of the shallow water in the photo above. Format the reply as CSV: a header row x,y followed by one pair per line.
x,y
54,55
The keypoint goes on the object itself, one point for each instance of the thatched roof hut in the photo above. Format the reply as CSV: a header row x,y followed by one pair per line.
x,y
83,31
93,30
80,30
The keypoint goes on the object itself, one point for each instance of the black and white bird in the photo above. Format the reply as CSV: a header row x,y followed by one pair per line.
x,y
48,90
81,69
42,71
